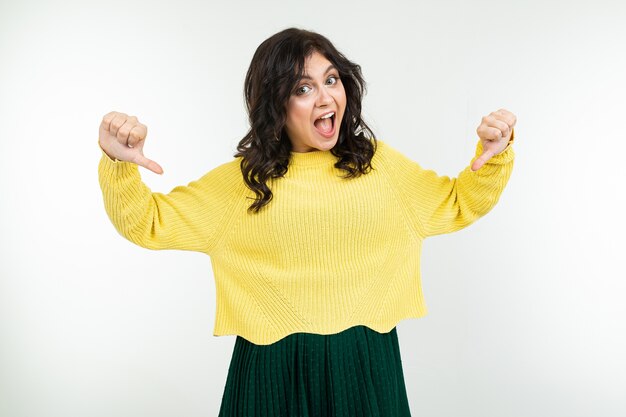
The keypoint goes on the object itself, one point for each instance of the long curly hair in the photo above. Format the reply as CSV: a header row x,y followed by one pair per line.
x,y
277,66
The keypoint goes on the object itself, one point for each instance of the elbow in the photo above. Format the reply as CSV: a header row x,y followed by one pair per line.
x,y
136,230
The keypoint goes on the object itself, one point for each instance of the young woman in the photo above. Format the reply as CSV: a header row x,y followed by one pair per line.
x,y
314,230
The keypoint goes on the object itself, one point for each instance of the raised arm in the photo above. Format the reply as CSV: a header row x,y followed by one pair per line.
x,y
439,204
187,218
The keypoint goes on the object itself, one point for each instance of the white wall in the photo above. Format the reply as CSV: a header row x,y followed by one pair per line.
x,y
526,306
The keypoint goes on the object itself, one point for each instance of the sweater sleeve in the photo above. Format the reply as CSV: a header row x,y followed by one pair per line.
x,y
187,218
438,204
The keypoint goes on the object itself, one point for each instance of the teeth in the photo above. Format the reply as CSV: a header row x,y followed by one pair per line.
x,y
327,116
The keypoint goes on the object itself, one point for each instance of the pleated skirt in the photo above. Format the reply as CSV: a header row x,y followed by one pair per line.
x,y
357,373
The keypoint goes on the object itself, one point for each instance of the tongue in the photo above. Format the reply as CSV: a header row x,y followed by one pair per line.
x,y
324,125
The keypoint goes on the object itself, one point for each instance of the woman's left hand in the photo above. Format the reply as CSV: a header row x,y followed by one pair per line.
x,y
494,131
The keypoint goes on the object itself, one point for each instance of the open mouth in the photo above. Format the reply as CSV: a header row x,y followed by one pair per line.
x,y
326,125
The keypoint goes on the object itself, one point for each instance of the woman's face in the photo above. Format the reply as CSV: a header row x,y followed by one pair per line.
x,y
318,93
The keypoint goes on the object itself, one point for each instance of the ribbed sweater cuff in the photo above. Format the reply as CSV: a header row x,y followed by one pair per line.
x,y
503,157
497,162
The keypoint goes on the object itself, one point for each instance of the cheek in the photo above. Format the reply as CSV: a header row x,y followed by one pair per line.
x,y
341,97
298,114
342,101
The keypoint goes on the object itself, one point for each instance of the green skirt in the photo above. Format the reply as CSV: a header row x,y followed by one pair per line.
x,y
357,373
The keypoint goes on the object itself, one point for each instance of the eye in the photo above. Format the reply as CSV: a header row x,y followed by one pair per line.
x,y
299,89
334,78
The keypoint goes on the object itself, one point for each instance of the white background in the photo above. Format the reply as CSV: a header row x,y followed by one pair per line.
x,y
526,305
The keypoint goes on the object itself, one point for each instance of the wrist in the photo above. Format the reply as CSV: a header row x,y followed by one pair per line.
x,y
112,158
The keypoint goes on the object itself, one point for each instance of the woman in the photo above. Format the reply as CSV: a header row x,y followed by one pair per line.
x,y
313,275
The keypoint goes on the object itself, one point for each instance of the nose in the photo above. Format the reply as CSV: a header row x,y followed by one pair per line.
x,y
324,98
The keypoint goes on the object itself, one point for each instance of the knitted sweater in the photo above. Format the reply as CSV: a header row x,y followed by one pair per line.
x,y
326,254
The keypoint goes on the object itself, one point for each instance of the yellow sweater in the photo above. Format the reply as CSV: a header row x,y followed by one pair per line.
x,y
326,254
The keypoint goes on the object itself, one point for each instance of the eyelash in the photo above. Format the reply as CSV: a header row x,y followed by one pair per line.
x,y
299,88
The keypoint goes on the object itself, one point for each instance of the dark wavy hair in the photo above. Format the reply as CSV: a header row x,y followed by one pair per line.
x,y
277,66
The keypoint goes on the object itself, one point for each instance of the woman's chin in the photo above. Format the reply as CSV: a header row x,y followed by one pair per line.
x,y
326,144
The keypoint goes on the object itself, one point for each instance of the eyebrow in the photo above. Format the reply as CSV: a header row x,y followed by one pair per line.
x,y
330,67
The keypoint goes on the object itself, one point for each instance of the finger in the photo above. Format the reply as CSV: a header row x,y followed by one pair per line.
x,y
105,125
481,160
506,116
502,126
118,121
136,134
489,133
148,164
497,120
124,130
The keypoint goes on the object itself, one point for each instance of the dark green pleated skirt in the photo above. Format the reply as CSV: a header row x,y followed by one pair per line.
x,y
356,373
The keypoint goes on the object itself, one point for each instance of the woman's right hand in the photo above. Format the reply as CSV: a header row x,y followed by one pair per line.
x,y
122,137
